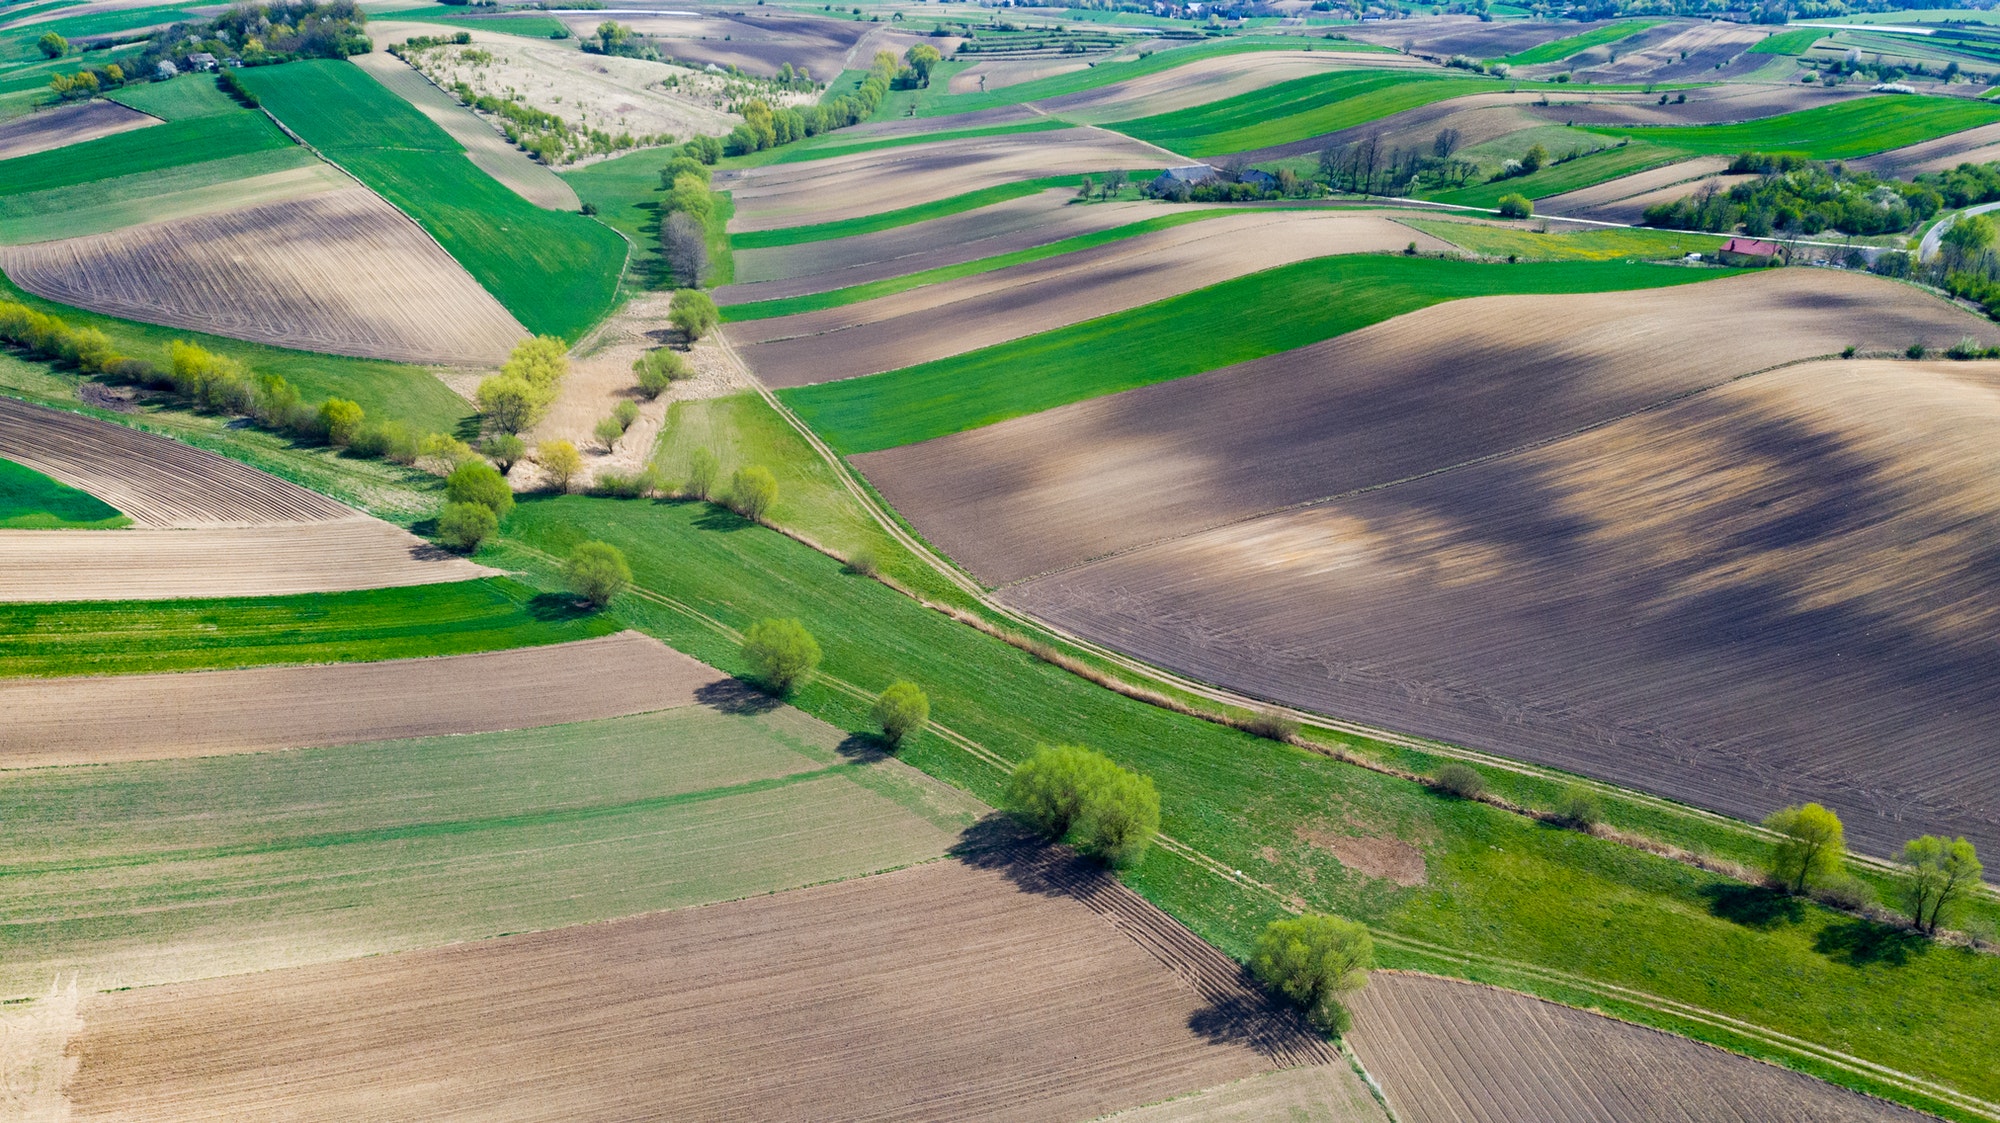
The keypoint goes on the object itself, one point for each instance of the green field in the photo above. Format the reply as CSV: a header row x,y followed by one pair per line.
x,y
1296,305
195,95
1522,895
1561,49
136,637
1570,175
269,859
826,145
1297,110
154,148
110,204
1840,131
557,273
1586,245
902,216
834,298
1789,42
32,501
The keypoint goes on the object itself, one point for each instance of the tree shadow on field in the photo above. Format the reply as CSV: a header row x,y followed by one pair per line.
x,y
736,696
556,608
722,520
1002,843
1865,943
864,748
1753,906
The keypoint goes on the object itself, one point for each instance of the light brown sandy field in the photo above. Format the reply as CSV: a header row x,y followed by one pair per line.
x,y
991,990
1779,590
1319,1094
272,560
1437,387
937,321
1446,1051
100,719
1587,202
68,124
341,271
887,179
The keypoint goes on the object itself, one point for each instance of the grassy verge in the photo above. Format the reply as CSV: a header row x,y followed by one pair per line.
x,y
812,302
902,216
133,637
32,501
1587,245
557,273
1841,131
1570,175
1295,305
1561,49
1298,109
1553,911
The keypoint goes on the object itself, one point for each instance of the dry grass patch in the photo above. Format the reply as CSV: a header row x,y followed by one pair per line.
x,y
68,124
341,272
1451,1052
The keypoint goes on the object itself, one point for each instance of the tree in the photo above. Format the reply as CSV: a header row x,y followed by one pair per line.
x,y
561,461
659,368
1313,960
1445,143
341,420
1069,791
752,490
1516,206
693,314
783,654
626,414
52,44
1810,848
476,481
607,432
597,572
542,362
1941,872
923,58
1534,159
463,526
441,453
1114,182
1578,806
509,402
504,449
901,710
684,245
702,470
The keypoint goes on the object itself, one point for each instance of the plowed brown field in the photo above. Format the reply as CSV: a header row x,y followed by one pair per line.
x,y
1320,1094
1451,1052
1438,387
1674,52
99,719
1974,146
1589,202
1779,590
887,179
342,272
68,124
987,990
1209,79
937,321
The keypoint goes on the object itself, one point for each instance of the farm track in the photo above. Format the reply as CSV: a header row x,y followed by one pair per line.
x,y
340,271
102,719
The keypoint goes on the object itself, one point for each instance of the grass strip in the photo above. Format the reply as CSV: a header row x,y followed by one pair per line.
x,y
1298,109
799,153
835,298
1795,42
1841,131
902,216
1570,175
1586,245
32,501
1276,310
1559,49
134,637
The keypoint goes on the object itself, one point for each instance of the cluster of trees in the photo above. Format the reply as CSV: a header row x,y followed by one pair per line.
x,y
764,127
258,34
611,428
1231,185
686,208
658,369
549,137
87,82
1798,196
518,397
614,38
1938,873
918,62
1081,796
1367,167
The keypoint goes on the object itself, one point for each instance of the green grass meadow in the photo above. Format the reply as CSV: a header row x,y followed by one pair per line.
x,y
1841,131
155,148
557,273
1789,42
194,95
1296,305
1570,175
31,501
1297,110
1561,49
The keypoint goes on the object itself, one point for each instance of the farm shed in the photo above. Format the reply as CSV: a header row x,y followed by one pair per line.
x,y
1190,175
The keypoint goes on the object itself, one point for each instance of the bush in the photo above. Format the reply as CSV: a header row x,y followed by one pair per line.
x,y
702,470
1578,807
901,710
504,449
625,413
623,485
561,461
387,440
1461,780
752,491
1270,725
1917,350
659,369
1941,872
1068,791
783,654
476,481
693,314
1313,960
1809,848
1966,348
463,526
863,563
440,454
341,419
1516,206
607,432
597,572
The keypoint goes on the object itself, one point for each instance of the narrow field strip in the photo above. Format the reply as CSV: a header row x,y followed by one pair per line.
x,y
1560,49
1297,110
903,216
800,153
67,125
155,148
1843,130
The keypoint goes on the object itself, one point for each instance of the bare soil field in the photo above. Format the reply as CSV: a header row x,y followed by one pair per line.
x,y
68,124
759,43
998,74
1477,117
1465,35
887,179
1446,1051
1209,79
1779,590
341,272
48,216
157,481
1437,387
1973,146
1319,1094
484,146
1626,198
271,560
1675,52
1017,224
937,321
104,718
987,990
1727,103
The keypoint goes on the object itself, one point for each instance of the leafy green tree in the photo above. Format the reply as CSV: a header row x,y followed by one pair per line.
x,y
752,491
542,362
512,403
476,481
1069,791
1941,873
596,571
561,461
1314,960
702,472
504,449
901,710
1579,807
1810,847
341,419
690,195
52,44
607,432
783,654
463,526
1516,206
1532,161
693,314
659,369
923,58
625,413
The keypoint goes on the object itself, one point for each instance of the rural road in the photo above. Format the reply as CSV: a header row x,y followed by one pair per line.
x,y
1929,245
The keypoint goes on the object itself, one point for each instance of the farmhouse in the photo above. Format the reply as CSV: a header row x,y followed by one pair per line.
x,y
1190,175
1263,180
1748,251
